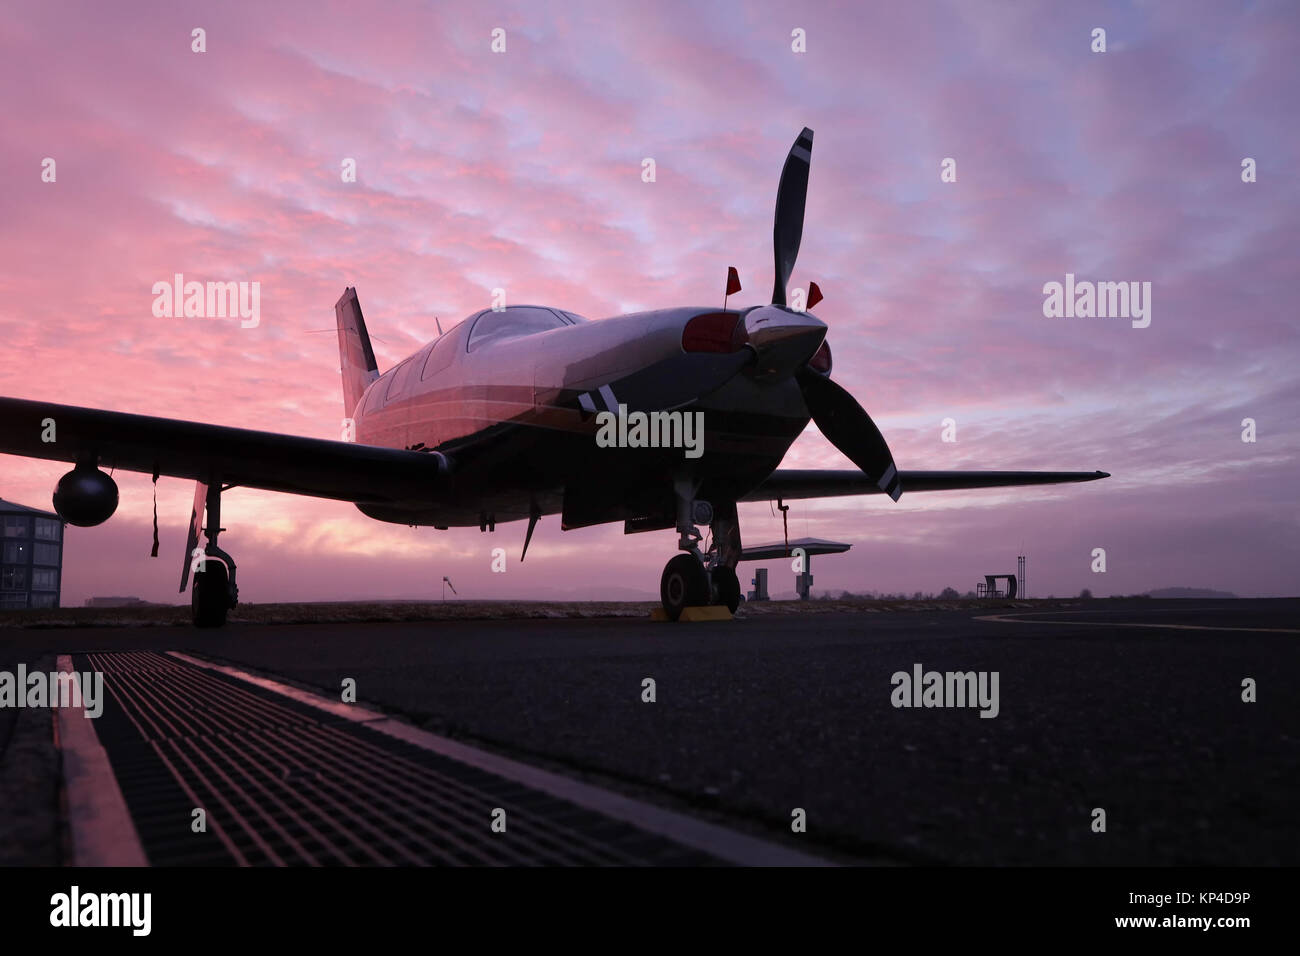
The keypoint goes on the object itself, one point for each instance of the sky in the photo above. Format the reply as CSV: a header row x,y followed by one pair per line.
x,y
522,170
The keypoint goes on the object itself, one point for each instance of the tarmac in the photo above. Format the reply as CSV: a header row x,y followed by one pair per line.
x,y
777,737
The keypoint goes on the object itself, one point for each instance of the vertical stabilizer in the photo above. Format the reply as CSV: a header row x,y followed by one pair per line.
x,y
356,357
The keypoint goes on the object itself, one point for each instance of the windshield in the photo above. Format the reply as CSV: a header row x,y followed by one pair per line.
x,y
512,323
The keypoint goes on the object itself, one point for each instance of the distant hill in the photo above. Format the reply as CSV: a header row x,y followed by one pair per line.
x,y
116,601
1189,593
593,593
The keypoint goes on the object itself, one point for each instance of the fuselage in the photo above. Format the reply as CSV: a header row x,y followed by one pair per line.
x,y
515,398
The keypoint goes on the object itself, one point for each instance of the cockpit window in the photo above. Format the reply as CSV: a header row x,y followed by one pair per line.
x,y
574,317
513,322
443,352
397,380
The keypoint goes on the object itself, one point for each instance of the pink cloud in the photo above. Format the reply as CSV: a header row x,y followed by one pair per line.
x,y
524,170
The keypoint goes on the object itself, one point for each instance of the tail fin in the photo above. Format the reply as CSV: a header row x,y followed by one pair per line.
x,y
356,357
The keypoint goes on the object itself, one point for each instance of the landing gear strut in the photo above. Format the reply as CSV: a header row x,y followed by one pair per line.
x,y
215,591
697,578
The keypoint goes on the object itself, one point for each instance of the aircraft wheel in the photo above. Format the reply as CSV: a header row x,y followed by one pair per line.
x,y
684,584
726,586
210,597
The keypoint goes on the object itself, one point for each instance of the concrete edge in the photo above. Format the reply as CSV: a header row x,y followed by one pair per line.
x,y
101,830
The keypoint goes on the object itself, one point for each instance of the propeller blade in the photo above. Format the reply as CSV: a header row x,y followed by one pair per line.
x,y
850,429
787,226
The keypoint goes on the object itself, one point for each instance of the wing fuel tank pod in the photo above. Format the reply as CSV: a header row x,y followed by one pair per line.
x,y
85,496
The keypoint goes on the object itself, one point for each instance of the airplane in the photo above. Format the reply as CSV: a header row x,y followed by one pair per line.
x,y
497,419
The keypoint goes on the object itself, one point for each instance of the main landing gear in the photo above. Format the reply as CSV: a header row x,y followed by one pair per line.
x,y
215,591
695,578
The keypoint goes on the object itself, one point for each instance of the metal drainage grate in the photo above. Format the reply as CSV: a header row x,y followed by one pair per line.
x,y
285,784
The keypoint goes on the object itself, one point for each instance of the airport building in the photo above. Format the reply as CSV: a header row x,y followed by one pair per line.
x,y
31,557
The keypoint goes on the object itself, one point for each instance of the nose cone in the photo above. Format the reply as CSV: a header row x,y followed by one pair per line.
x,y
784,339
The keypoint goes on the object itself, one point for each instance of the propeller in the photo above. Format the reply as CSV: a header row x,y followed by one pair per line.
x,y
787,224
849,428
841,419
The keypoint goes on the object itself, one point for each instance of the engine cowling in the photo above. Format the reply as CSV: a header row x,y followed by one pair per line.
x,y
85,497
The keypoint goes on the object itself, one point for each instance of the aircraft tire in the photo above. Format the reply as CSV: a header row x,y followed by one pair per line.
x,y
210,596
684,584
727,588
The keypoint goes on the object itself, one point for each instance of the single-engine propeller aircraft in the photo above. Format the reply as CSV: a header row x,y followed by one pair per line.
x,y
500,420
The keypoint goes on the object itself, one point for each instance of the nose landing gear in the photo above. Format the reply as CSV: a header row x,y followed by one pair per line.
x,y
696,578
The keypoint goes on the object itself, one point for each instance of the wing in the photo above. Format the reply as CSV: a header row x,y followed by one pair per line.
x,y
815,483
345,471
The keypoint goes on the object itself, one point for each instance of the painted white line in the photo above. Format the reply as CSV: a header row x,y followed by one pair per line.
x,y
1015,619
102,831
728,845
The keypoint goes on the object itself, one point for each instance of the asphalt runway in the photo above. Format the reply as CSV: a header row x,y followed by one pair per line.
x,y
1134,707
